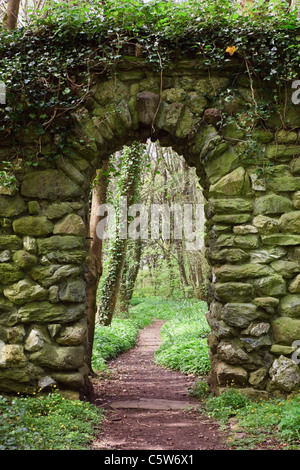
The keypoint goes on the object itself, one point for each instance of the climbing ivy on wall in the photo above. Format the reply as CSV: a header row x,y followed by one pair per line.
x,y
49,65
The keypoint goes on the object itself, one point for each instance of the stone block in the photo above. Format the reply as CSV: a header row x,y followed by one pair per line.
x,y
33,226
290,306
270,286
10,274
59,357
230,374
12,355
285,374
72,224
236,183
290,222
266,256
45,312
294,286
50,185
233,291
286,268
232,205
24,260
272,204
54,273
265,225
286,330
240,315
11,206
244,271
25,291
72,291
59,243
283,239
10,242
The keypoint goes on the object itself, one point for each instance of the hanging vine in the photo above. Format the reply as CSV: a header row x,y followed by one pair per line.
x,y
49,65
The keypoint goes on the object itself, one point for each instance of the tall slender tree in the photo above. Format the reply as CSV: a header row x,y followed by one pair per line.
x,y
11,16
99,196
129,177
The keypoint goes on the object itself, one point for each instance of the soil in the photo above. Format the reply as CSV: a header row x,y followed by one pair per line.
x,y
148,407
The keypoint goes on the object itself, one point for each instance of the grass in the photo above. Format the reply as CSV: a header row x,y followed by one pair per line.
x,y
184,345
272,421
47,423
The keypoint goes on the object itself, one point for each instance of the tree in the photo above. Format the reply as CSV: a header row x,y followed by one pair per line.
x,y
129,273
128,179
11,17
99,196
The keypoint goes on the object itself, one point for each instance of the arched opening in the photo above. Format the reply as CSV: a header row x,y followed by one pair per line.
x,y
251,232
163,260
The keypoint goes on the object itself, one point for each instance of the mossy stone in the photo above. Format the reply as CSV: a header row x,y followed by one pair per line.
x,y
233,291
24,260
59,357
49,184
272,204
10,242
59,243
72,224
236,183
11,206
33,226
46,312
229,272
9,273
286,330
25,291
290,306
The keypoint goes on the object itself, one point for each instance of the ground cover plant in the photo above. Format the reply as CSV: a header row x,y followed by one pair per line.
x,y
184,345
49,422
258,422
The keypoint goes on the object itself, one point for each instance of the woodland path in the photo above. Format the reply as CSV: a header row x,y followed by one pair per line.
x,y
148,407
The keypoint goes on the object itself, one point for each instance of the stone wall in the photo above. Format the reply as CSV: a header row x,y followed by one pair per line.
x,y
252,239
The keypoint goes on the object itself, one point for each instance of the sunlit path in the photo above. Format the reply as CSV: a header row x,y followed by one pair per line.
x,y
149,407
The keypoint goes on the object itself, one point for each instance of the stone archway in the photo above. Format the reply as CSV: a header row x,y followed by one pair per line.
x,y
252,239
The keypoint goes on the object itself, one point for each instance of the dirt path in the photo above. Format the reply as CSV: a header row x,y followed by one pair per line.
x,y
149,407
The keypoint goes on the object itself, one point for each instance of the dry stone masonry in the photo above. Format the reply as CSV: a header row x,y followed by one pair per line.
x,y
252,230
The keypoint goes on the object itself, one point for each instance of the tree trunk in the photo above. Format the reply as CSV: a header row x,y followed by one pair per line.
x,y
130,168
99,194
11,17
129,275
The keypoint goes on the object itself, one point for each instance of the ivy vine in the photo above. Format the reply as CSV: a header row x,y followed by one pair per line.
x,y
49,65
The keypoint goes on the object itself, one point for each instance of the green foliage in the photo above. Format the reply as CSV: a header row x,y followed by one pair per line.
x,y
185,323
200,390
48,65
129,164
261,419
184,345
227,404
47,423
7,177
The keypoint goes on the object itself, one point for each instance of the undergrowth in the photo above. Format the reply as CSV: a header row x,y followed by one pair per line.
x,y
47,423
184,345
263,422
